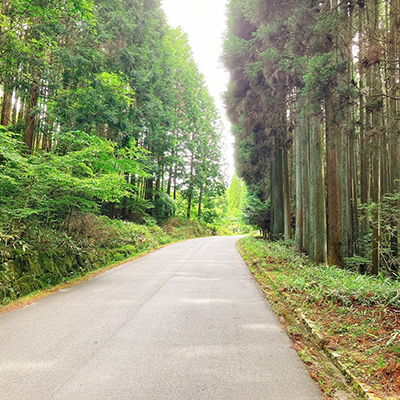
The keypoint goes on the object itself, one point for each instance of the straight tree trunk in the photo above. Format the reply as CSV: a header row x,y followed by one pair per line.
x,y
6,108
299,133
364,149
199,210
343,171
149,191
30,121
305,155
318,250
191,188
169,184
375,109
335,244
393,122
286,194
277,201
175,179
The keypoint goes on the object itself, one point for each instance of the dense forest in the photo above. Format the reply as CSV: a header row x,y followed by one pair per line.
x,y
107,131
103,109
314,100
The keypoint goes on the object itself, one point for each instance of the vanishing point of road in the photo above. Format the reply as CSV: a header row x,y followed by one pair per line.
x,y
185,322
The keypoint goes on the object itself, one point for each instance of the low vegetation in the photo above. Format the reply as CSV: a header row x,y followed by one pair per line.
x,y
357,315
48,257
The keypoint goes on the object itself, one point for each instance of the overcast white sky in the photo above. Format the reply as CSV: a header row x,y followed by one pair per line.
x,y
205,23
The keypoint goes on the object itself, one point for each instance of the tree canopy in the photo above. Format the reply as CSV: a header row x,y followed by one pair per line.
x,y
102,108
314,101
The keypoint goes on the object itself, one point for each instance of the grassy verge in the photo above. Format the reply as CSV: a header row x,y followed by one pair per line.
x,y
357,316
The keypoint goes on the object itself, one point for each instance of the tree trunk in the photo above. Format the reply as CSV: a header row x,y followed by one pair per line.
x,y
277,201
393,127
190,191
169,184
335,245
305,156
149,190
375,109
30,121
300,132
286,194
200,202
6,106
318,250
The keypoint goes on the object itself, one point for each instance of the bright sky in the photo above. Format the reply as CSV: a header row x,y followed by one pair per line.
x,y
205,22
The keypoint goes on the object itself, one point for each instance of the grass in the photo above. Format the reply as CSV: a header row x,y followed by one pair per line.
x,y
358,315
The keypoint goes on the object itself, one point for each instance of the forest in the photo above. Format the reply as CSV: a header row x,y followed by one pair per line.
x,y
314,102
115,77
106,123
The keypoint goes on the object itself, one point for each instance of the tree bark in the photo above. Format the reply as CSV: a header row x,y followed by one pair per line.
x,y
318,250
277,201
30,120
6,106
199,210
191,188
335,244
299,133
375,110
393,127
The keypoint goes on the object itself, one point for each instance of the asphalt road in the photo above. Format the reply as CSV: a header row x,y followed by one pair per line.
x,y
185,322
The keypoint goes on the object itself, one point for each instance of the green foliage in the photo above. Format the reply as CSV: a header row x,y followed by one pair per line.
x,y
322,73
108,105
257,213
164,207
236,195
92,242
76,175
321,282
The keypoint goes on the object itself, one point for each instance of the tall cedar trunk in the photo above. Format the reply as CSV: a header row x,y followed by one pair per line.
x,y
335,245
158,179
190,196
200,201
158,187
364,149
277,202
286,194
352,143
175,179
6,108
148,194
375,108
299,133
343,171
169,184
393,127
305,155
354,193
30,119
334,110
318,251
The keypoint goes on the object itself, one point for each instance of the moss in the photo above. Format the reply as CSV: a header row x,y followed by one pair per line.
x,y
46,261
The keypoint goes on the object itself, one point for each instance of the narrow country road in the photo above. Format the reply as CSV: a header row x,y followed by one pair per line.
x,y
185,322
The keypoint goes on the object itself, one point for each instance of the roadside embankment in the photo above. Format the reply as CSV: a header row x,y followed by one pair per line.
x,y
48,258
355,318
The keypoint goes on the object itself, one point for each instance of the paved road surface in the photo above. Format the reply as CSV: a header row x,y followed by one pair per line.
x,y
185,322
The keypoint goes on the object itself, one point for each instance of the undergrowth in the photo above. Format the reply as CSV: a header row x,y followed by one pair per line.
x,y
320,282
357,315
38,257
